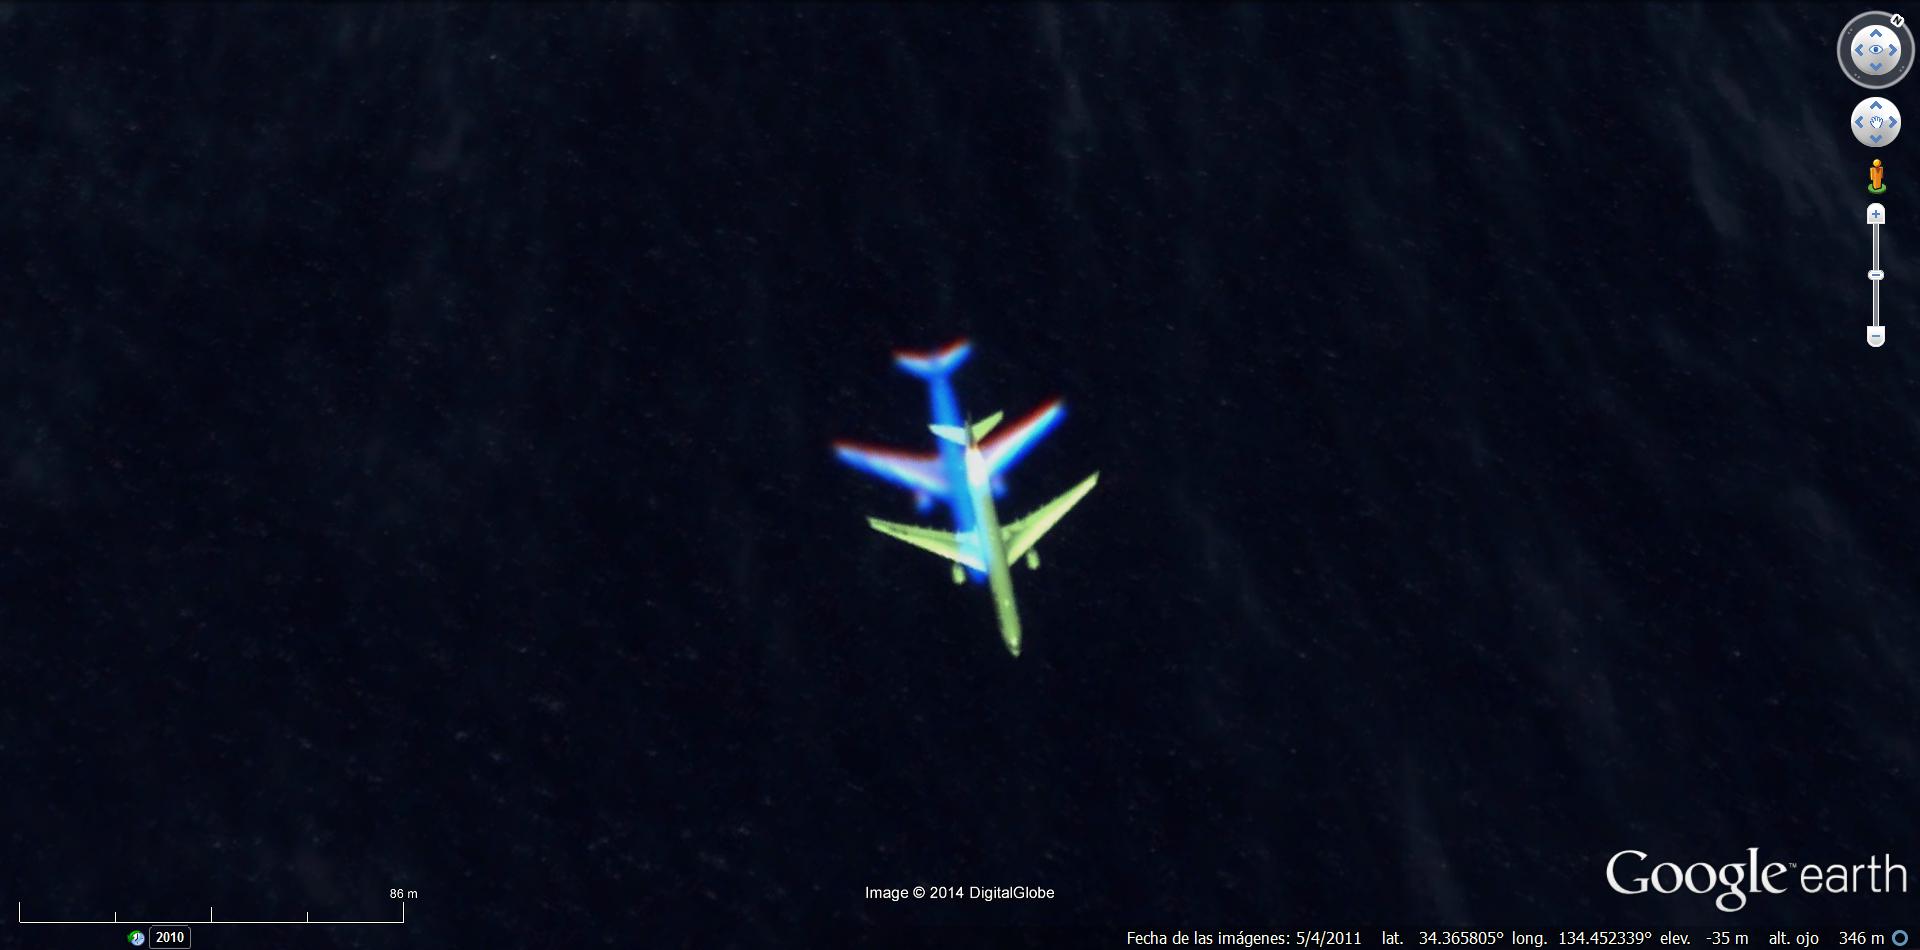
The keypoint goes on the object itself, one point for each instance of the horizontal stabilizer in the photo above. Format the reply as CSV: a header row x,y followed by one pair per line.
x,y
937,363
985,426
959,436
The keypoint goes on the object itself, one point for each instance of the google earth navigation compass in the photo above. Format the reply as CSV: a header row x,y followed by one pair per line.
x,y
1874,49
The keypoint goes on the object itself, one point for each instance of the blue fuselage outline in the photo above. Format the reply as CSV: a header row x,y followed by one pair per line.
x,y
953,458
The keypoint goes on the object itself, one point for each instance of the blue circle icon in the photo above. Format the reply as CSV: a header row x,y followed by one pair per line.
x,y
1899,938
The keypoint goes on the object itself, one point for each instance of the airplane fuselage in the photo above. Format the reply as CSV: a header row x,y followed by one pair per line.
x,y
990,545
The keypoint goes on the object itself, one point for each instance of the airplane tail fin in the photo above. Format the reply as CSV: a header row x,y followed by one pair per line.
x,y
936,363
968,436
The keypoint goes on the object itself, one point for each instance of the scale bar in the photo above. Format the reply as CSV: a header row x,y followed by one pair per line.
x,y
20,917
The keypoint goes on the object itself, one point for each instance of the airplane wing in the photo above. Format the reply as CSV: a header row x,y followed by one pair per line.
x,y
1008,445
918,473
1022,535
944,543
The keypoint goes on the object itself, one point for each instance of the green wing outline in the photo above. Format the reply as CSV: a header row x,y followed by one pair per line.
x,y
944,543
1022,535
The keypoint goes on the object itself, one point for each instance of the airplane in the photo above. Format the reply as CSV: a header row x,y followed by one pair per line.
x,y
930,476
988,547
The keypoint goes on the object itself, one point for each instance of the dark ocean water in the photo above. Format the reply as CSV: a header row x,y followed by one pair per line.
x,y
416,473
